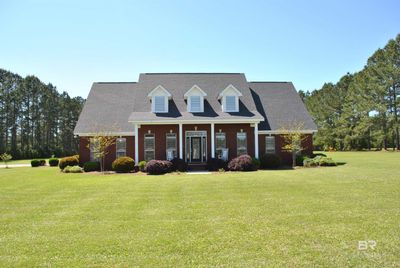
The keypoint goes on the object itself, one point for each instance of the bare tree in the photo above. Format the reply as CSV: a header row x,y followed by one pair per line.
x,y
293,137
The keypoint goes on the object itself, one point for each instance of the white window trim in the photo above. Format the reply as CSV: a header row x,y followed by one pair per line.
x,y
237,147
266,149
224,106
159,91
195,91
116,147
189,103
176,143
230,91
154,145
153,105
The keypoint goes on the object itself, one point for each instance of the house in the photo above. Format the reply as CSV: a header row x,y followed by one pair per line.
x,y
193,116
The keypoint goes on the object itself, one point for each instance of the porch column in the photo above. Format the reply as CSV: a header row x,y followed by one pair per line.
x,y
212,141
180,142
256,140
136,144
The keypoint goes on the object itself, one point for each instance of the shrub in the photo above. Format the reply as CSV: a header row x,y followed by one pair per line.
x,y
215,164
35,163
53,162
91,166
123,164
72,169
241,163
156,167
136,169
300,159
142,166
42,162
270,161
179,165
68,161
318,154
256,163
309,162
327,162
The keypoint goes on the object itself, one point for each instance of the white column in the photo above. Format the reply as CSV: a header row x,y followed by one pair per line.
x,y
180,142
212,141
136,144
256,140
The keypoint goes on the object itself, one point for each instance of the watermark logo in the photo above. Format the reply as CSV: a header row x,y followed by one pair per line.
x,y
366,244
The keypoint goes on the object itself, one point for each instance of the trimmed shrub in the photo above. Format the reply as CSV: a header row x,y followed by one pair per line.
x,y
142,166
42,162
53,162
300,159
215,164
318,154
91,166
76,156
179,165
270,161
241,163
136,169
309,162
256,163
327,162
35,163
156,167
68,161
123,164
72,169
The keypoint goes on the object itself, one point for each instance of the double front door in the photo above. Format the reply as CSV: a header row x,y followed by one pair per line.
x,y
196,146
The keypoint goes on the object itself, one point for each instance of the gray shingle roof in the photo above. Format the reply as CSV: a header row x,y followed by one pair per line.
x,y
110,106
280,105
107,108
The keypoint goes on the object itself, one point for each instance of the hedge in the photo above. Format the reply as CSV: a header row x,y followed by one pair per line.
x,y
68,161
157,167
123,164
91,166
242,163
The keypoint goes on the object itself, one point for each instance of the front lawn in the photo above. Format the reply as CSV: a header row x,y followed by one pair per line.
x,y
305,217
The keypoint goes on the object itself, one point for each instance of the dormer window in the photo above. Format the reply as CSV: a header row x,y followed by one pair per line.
x,y
159,99
230,99
195,99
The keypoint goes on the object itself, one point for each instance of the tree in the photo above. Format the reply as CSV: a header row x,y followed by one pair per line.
x,y
5,158
99,145
293,138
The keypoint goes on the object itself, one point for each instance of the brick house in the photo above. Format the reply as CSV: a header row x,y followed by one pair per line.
x,y
193,116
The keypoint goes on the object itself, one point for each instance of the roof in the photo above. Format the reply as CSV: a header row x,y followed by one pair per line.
x,y
107,109
114,107
280,105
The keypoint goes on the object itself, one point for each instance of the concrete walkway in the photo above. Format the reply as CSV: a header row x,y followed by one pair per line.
x,y
15,165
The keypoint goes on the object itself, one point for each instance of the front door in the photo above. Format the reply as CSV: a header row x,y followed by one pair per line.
x,y
196,149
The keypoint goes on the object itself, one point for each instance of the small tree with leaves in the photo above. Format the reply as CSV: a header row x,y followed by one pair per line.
x,y
99,144
293,137
5,157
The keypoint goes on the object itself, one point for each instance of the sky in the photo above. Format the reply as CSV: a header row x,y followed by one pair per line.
x,y
72,44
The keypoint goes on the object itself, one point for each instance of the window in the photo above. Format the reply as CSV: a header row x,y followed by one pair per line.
x,y
120,147
220,143
171,146
160,104
93,147
149,147
241,143
230,104
195,104
269,144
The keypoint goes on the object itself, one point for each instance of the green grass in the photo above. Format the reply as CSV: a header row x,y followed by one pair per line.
x,y
23,161
304,217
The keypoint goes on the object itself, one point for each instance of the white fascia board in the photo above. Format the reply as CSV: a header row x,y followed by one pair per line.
x,y
159,87
238,93
175,122
311,131
110,133
195,87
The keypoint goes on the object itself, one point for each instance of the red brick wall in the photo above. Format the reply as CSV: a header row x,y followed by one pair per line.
x,y
279,143
84,152
231,131
159,132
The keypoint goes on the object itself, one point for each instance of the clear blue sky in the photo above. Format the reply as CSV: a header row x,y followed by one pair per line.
x,y
74,43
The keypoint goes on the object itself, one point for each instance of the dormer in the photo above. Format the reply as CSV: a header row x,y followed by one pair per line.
x,y
230,99
159,99
195,99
